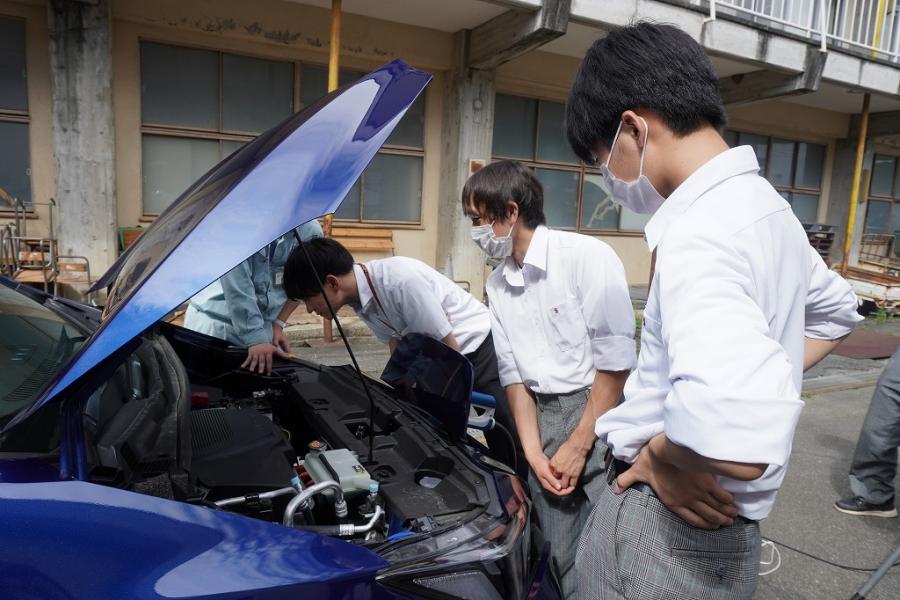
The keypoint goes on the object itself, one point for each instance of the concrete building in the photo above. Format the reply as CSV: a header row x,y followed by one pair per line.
x,y
112,107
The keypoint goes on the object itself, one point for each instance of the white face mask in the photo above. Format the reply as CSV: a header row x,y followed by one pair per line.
x,y
639,195
490,244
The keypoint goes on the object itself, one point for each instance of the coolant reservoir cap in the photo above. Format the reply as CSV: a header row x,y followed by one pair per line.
x,y
318,446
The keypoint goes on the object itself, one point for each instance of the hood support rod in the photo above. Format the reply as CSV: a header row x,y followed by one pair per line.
x,y
359,372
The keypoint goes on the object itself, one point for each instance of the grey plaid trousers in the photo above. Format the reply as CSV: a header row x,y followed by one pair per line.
x,y
635,548
562,517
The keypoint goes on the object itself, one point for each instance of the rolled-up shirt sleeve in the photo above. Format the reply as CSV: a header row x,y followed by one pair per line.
x,y
831,304
733,396
506,362
606,308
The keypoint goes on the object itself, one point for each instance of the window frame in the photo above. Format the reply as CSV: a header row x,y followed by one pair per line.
x,y
221,134
893,200
580,167
792,188
11,115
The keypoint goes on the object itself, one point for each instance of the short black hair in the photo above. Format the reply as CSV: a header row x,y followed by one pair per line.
x,y
493,186
329,258
645,65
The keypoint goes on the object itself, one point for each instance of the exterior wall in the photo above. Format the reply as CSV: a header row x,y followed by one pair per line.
x,y
279,29
40,127
276,30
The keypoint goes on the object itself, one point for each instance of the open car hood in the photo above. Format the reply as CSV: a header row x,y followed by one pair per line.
x,y
299,170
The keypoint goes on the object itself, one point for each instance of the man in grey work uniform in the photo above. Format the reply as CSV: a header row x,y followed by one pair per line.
x,y
247,306
875,460
563,329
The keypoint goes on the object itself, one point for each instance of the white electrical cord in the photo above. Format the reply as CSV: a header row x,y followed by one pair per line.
x,y
774,558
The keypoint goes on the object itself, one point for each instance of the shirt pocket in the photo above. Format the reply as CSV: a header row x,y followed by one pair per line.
x,y
567,326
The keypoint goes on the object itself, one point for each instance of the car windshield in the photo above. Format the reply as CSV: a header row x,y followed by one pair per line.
x,y
35,343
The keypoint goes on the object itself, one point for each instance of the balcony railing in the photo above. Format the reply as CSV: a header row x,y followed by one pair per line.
x,y
868,27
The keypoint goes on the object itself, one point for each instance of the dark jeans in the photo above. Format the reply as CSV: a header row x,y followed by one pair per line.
x,y
487,381
875,460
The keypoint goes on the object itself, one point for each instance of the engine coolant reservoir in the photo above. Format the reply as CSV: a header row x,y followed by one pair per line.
x,y
339,465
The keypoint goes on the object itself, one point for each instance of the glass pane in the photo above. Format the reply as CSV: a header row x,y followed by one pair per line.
x,y
552,143
760,145
15,176
229,146
314,82
172,164
780,162
349,208
810,163
632,221
256,93
410,131
806,207
514,127
731,138
13,76
882,175
877,216
179,86
560,196
895,222
598,210
392,188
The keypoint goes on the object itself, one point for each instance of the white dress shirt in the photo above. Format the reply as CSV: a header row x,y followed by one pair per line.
x,y
418,299
563,316
736,289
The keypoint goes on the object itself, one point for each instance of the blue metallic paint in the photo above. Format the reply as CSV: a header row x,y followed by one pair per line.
x,y
81,540
295,172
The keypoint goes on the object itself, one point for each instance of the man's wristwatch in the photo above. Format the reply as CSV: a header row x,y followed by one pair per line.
x,y
280,323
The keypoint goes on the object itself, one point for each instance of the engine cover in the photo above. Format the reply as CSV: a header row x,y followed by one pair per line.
x,y
237,451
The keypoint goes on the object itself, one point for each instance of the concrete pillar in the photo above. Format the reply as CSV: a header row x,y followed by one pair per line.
x,y
839,198
467,135
83,137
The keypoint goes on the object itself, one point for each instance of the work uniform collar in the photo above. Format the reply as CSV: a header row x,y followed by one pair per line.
x,y
536,256
728,164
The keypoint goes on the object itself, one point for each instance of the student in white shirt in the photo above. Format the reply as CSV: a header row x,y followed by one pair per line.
x,y
397,296
564,333
739,306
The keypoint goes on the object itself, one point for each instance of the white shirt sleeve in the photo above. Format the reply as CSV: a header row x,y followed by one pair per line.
x,y
733,396
506,362
417,300
831,304
606,308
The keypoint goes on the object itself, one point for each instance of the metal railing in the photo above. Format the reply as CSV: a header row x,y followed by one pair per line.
x,y
870,27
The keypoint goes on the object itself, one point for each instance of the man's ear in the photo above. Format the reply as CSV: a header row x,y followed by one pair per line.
x,y
512,211
333,282
634,127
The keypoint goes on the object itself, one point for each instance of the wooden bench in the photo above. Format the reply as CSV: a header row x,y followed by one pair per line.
x,y
362,239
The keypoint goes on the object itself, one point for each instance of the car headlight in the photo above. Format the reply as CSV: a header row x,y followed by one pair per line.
x,y
438,563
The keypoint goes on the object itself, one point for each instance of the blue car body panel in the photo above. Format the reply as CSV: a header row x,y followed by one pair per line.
x,y
73,539
297,171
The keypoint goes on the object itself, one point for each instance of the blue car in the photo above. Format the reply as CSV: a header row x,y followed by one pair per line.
x,y
138,460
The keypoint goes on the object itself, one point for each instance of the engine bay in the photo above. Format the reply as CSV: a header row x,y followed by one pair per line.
x,y
289,448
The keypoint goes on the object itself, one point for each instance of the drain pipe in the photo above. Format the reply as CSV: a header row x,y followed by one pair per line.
x,y
857,175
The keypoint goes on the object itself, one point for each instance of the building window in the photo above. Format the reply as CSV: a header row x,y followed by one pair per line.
x,y
883,210
390,189
15,153
225,100
531,131
793,168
